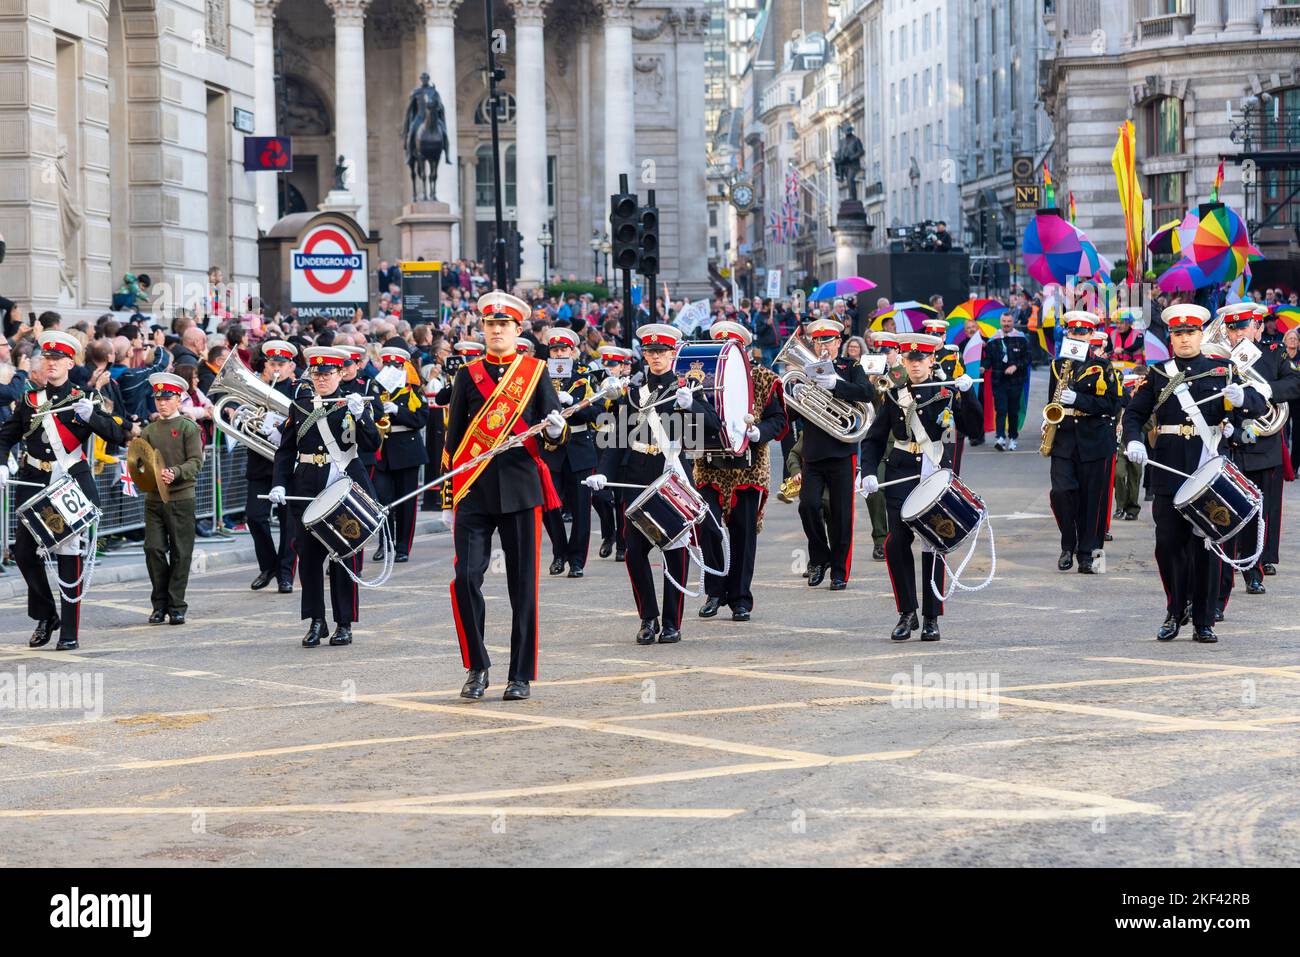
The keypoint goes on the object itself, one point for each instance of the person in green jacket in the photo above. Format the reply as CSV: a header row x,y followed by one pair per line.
x,y
169,526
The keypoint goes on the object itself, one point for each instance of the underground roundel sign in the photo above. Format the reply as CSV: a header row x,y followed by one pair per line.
x,y
328,269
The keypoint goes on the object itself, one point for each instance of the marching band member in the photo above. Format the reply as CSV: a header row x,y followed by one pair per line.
x,y
321,442
1083,446
401,453
53,448
735,486
610,502
1258,456
573,461
634,460
354,382
829,465
885,343
501,395
275,561
169,525
1187,435
916,419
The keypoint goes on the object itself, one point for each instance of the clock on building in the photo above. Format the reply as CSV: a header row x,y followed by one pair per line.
x,y
742,196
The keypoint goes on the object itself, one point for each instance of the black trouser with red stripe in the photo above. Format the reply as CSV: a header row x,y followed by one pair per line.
x,y
574,546
1242,545
391,485
742,528
1080,496
835,476
273,558
40,597
902,569
344,594
521,543
676,563
1188,570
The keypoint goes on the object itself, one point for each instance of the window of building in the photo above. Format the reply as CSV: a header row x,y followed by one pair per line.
x,y
926,88
893,100
902,105
552,174
915,37
925,32
938,27
939,143
902,41
1165,126
713,217
891,47
938,84
1167,198
975,34
483,180
929,144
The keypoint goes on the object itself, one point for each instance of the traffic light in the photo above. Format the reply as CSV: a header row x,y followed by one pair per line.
x,y
648,240
623,230
519,253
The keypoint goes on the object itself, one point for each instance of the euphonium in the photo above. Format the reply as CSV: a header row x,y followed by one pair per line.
x,y
1216,345
1054,412
252,400
846,421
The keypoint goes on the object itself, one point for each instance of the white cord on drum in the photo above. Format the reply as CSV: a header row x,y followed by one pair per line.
x,y
726,550
386,543
1242,565
956,576
695,553
82,584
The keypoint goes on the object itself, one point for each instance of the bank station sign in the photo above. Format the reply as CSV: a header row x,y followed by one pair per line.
x,y
328,274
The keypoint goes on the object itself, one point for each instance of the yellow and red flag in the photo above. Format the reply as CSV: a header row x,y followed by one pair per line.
x,y
1124,162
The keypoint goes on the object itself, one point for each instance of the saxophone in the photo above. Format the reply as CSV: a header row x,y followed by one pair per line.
x,y
1054,412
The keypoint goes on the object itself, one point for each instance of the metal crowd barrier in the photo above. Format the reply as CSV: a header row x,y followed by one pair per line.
x,y
223,477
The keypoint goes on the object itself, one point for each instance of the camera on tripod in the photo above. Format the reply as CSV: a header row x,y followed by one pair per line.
x,y
922,238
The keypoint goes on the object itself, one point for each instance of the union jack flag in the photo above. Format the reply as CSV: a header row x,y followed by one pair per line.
x,y
790,219
776,227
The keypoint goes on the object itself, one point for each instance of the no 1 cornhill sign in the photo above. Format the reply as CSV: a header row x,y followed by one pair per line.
x,y
320,264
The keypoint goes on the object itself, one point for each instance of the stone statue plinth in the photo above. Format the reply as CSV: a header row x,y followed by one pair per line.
x,y
852,236
424,230
340,201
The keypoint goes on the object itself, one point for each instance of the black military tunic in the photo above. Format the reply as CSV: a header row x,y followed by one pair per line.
x,y
1083,451
397,468
274,558
569,465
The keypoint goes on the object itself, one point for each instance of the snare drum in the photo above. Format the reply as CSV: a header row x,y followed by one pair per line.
x,y
721,369
58,513
667,510
943,510
343,518
1218,499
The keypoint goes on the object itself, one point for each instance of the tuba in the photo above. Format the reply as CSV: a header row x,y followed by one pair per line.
x,y
1215,344
251,401
846,421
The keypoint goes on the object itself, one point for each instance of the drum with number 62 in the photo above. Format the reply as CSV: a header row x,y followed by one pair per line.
x,y
58,513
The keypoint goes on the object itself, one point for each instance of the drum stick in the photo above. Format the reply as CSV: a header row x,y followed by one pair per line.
x,y
1167,468
13,481
910,478
293,498
622,485
1210,398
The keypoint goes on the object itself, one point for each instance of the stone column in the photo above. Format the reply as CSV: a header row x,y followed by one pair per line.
x,y
530,128
264,119
1243,16
1209,16
440,57
620,150
586,212
350,133
692,223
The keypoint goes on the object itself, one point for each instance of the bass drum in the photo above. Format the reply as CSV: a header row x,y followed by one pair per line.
x,y
721,369
343,518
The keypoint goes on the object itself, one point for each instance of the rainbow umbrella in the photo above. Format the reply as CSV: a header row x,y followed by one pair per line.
x,y
1165,240
839,288
1154,349
1218,250
907,316
1054,249
1288,317
986,312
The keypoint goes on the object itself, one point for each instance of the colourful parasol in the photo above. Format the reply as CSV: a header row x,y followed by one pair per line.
x,y
1154,349
1288,317
986,312
839,288
1051,248
1165,240
907,316
1219,251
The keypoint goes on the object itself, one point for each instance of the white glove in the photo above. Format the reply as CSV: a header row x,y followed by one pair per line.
x,y
1234,393
446,515
752,433
867,485
4,474
276,496
685,397
1228,430
826,380
554,424
566,398
1068,396
595,482
963,382
390,407
356,403
612,386
82,409
266,426
1136,453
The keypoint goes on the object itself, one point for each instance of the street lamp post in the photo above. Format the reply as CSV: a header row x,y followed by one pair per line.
x,y
605,248
594,243
545,239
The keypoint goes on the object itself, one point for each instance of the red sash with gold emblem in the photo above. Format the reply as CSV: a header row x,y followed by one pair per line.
x,y
501,416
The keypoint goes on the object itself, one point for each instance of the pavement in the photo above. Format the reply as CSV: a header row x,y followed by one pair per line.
x,y
1048,727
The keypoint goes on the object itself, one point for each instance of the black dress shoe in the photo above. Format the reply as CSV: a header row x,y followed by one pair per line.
x,y
670,636
620,554
740,614
378,555
45,630
1085,566
649,631
710,607
606,546
516,691
878,553
1218,616
476,682
907,624
158,617
176,618
1270,569
1066,561
1255,587
557,567
401,559
1109,537
261,581
930,630
315,632
67,644
1169,630
286,588
1205,636
838,584
575,571
1130,516
342,635
816,575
